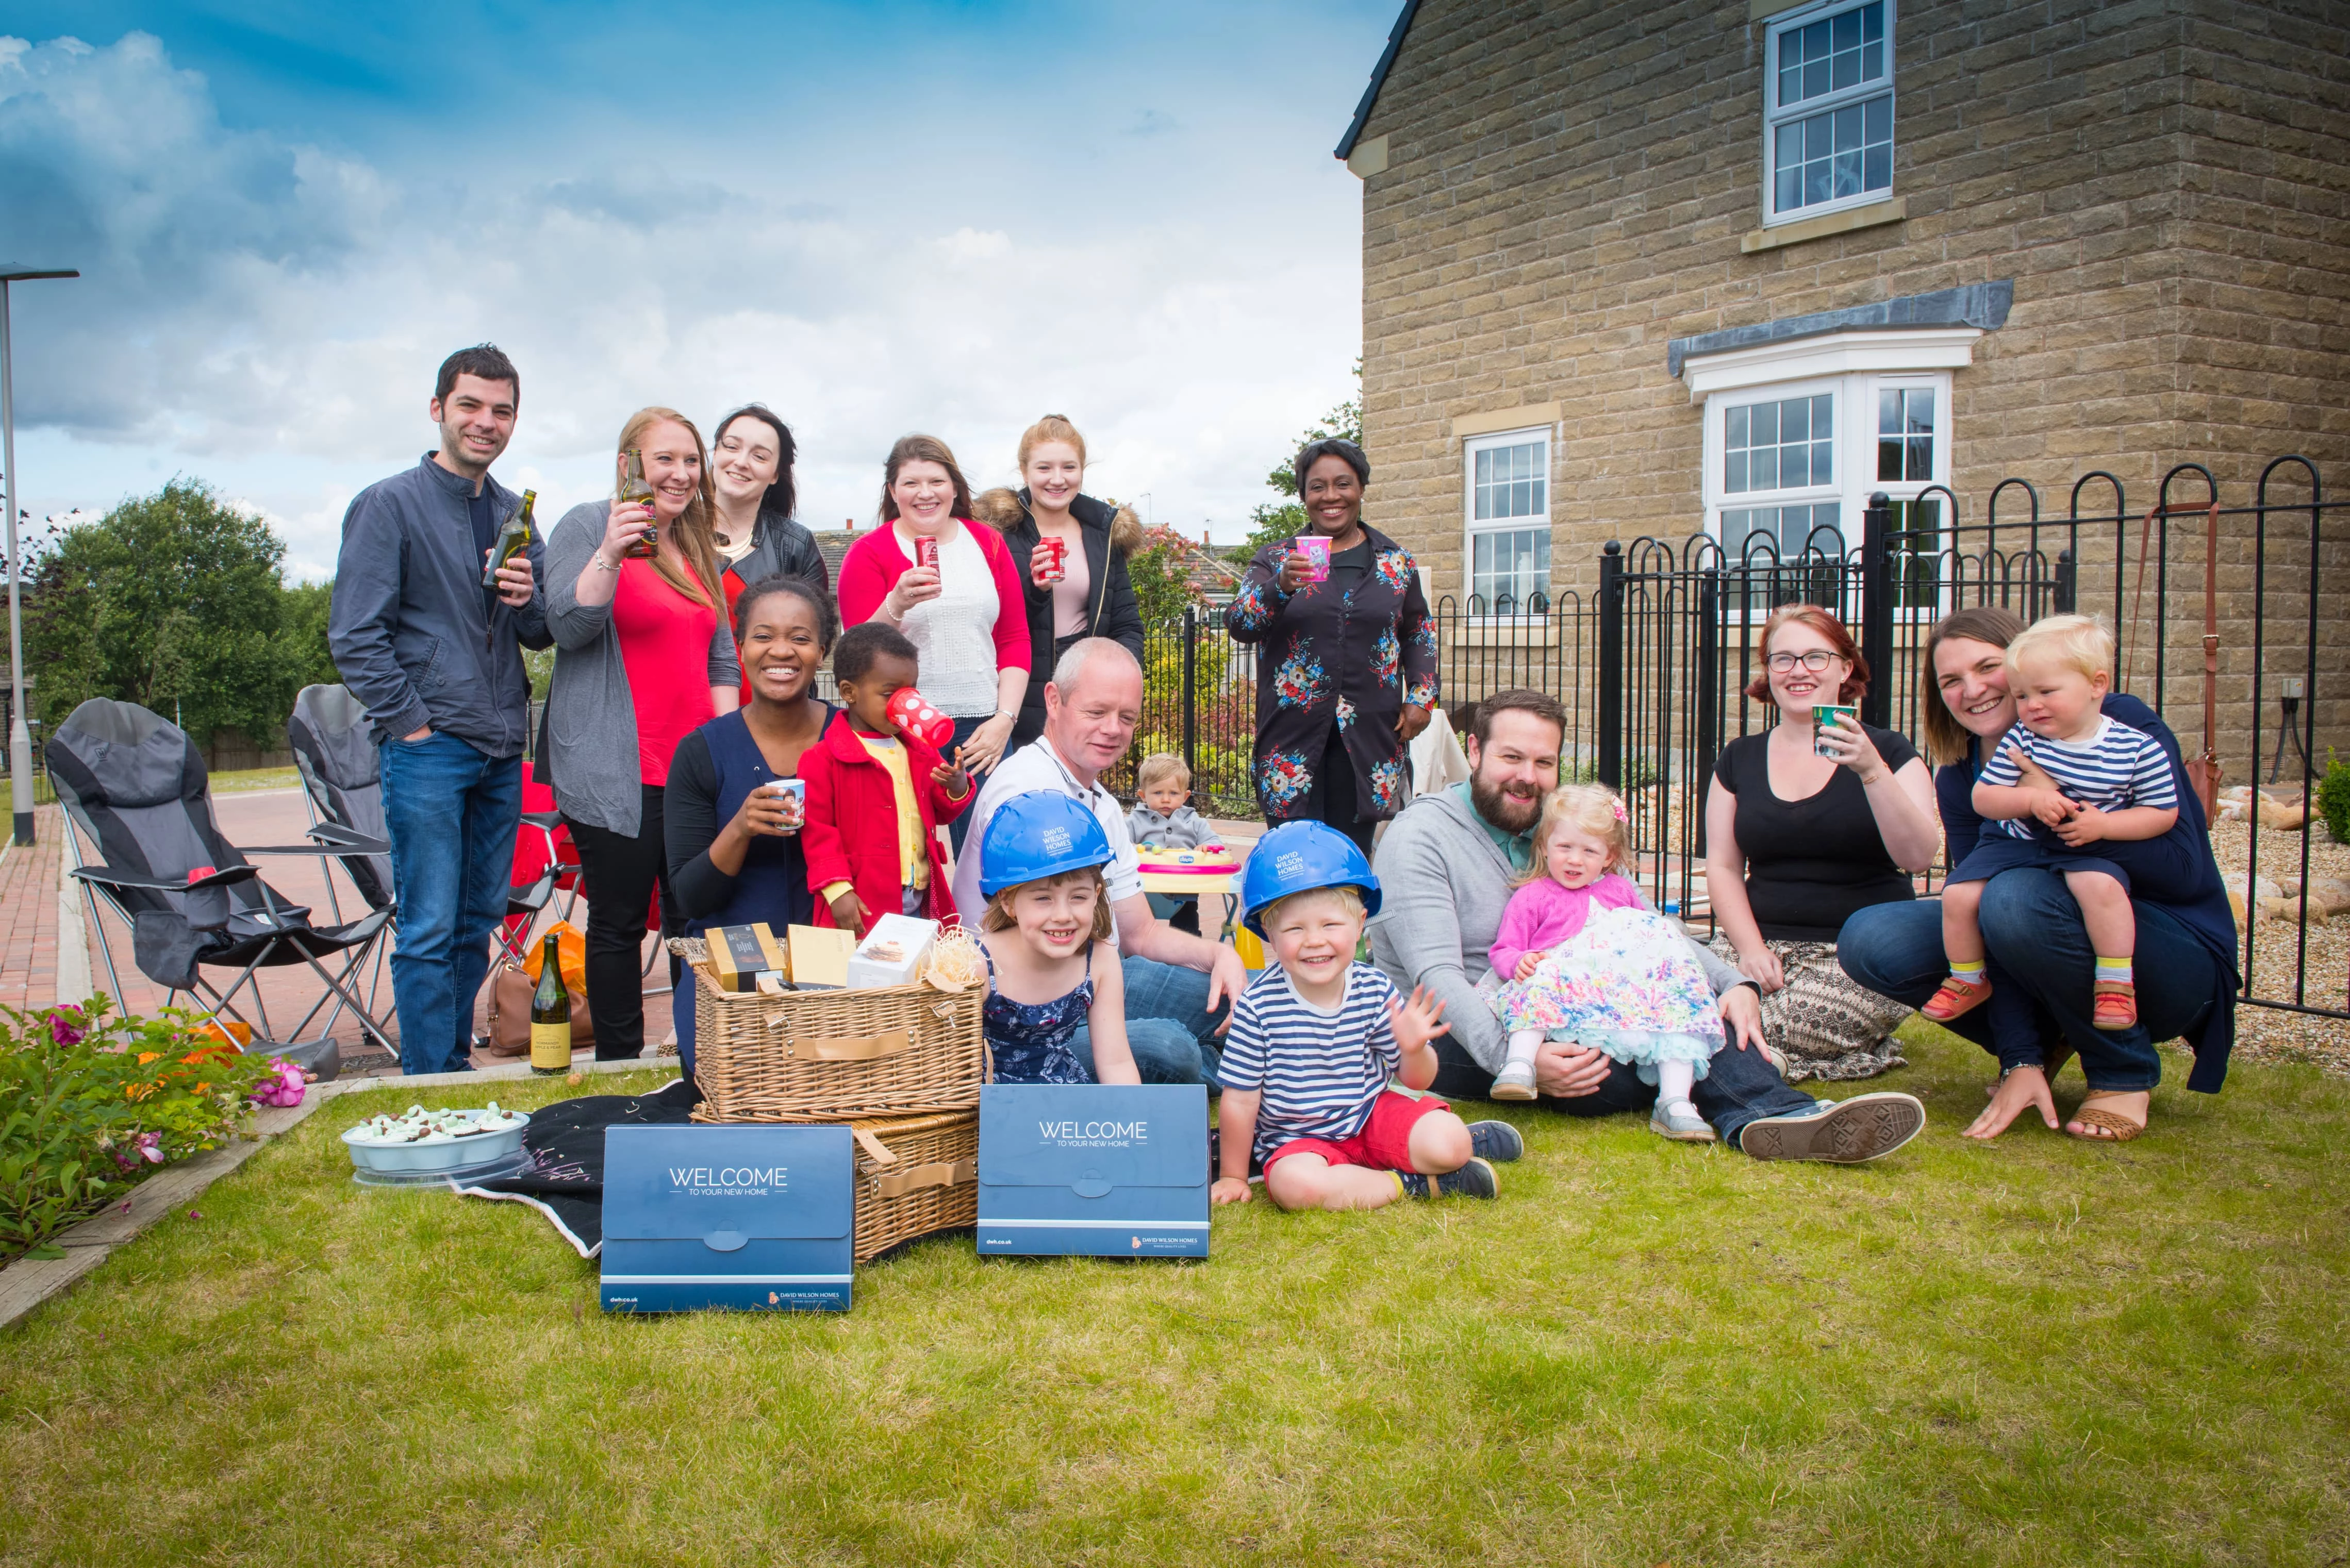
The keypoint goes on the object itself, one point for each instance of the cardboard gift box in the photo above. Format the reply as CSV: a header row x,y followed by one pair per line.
x,y
1098,1170
739,955
892,951
754,1219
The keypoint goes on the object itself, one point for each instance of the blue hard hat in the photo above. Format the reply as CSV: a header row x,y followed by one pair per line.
x,y
1297,857
1037,835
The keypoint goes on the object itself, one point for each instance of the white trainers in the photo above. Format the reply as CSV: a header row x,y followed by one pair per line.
x,y
1679,1123
1515,1081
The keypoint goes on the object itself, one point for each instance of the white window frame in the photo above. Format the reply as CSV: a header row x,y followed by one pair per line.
x,y
1854,366
1775,116
1470,527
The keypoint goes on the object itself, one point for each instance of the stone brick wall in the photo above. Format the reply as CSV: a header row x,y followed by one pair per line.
x,y
2163,180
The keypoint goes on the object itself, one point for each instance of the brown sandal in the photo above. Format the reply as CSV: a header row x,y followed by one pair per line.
x,y
2122,1128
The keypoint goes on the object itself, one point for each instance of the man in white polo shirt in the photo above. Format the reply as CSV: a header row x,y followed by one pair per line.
x,y
1178,987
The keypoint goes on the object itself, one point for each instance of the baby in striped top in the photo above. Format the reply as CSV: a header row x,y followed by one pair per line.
x,y
1325,1064
2105,781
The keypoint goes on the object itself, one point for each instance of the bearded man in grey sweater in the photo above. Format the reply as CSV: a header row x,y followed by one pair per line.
x,y
1447,866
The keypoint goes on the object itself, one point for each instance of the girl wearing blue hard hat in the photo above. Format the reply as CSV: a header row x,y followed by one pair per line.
x,y
1325,1064
1052,959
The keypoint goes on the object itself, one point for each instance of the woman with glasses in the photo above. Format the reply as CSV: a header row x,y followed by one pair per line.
x,y
1807,822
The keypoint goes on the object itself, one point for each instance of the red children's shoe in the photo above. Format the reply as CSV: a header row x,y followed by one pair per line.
x,y
2114,1004
1956,999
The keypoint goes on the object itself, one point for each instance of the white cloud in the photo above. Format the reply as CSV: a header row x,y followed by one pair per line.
x,y
269,314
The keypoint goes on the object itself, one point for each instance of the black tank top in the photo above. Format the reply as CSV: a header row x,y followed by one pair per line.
x,y
1811,863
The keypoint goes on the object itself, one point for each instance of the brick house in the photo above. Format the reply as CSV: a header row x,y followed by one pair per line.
x,y
1658,267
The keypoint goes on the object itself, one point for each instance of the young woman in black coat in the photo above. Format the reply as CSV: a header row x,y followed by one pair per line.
x,y
1092,598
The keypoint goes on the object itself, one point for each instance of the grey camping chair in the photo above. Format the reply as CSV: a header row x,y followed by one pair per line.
x,y
141,836
342,784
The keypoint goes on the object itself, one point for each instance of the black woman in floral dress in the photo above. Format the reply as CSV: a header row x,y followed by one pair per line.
x,y
1346,664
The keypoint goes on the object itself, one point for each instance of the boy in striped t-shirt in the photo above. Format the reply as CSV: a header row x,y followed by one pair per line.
x,y
1316,1039
2109,782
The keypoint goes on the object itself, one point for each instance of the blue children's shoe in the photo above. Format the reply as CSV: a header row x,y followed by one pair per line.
x,y
1496,1141
1681,1127
1475,1179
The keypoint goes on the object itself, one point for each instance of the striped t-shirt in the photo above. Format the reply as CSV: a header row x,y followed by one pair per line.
x,y
1320,1071
2114,769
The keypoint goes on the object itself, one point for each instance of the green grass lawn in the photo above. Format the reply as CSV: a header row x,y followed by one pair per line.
x,y
2031,1353
246,779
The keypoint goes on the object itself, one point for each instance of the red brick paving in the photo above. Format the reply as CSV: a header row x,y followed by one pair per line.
x,y
29,915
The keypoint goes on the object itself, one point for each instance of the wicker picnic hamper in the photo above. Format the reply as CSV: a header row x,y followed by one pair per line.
x,y
832,1055
915,1174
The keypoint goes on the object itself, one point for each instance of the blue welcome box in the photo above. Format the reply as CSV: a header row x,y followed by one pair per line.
x,y
754,1218
1095,1169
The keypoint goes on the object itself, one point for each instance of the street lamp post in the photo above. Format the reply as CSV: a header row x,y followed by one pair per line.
x,y
20,737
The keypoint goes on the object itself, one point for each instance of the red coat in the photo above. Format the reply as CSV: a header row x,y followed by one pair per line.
x,y
852,821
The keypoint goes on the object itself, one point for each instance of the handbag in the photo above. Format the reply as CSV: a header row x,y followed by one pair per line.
x,y
511,987
2203,772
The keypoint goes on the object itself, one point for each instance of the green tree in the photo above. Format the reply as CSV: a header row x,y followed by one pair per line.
x,y
173,600
306,608
1285,518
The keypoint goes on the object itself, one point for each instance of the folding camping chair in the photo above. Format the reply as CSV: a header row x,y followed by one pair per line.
x,y
141,831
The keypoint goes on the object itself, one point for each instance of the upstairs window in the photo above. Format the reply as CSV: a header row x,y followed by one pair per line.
x,y
1828,117
1509,523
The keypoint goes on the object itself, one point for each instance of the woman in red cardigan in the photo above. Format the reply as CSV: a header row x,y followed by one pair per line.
x,y
876,795
967,617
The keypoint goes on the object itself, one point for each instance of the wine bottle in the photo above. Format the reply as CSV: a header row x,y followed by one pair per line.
x,y
550,1016
513,539
633,488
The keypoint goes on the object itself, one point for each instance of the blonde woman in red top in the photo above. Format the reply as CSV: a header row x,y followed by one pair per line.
x,y
643,657
967,617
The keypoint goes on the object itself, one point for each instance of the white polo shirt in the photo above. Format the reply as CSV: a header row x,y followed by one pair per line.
x,y
1033,767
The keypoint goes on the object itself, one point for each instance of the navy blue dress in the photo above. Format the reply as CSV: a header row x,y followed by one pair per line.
x,y
1030,1040
714,771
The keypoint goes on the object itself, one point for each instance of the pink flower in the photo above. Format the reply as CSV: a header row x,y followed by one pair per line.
x,y
65,1025
284,1086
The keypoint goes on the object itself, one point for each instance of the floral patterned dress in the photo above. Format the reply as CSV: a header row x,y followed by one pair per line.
x,y
1627,984
1031,1041
1348,655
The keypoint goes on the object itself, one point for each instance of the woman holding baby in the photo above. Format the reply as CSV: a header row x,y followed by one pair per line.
x,y
2038,848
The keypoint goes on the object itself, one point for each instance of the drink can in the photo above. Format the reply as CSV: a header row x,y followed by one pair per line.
x,y
1316,548
926,552
793,793
1823,718
1053,565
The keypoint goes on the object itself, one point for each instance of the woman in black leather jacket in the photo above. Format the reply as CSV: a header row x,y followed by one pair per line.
x,y
1093,597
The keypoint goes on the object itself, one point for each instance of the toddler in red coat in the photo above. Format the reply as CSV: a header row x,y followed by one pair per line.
x,y
877,795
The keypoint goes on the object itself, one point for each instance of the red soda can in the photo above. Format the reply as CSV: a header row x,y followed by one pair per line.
x,y
912,712
926,551
1051,564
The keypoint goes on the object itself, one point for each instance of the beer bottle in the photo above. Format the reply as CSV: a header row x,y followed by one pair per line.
x,y
633,488
550,1016
513,539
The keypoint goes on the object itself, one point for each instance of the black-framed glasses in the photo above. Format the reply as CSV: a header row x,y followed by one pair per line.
x,y
1817,660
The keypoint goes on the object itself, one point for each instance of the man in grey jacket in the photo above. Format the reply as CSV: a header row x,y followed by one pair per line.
x,y
1446,865
436,657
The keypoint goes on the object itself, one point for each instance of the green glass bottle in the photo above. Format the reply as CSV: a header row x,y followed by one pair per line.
x,y
513,539
550,1016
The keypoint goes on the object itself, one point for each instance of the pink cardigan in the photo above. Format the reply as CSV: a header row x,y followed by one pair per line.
x,y
1545,913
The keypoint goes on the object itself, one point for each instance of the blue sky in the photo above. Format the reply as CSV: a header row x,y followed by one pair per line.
x,y
876,218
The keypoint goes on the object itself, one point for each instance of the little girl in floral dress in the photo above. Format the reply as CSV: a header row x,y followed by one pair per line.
x,y
1052,959
1579,957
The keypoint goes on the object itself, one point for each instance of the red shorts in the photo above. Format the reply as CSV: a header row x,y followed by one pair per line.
x,y
1385,1142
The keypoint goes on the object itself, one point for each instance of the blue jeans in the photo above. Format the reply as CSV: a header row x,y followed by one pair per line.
x,y
450,813
1167,1025
2039,949
1739,1088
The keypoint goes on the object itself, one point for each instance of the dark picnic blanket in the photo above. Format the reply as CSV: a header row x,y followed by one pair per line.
x,y
565,1142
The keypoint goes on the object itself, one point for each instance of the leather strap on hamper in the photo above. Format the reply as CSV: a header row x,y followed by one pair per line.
x,y
898,1183
854,1048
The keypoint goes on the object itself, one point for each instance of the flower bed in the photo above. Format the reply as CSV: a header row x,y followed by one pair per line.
x,y
91,1104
